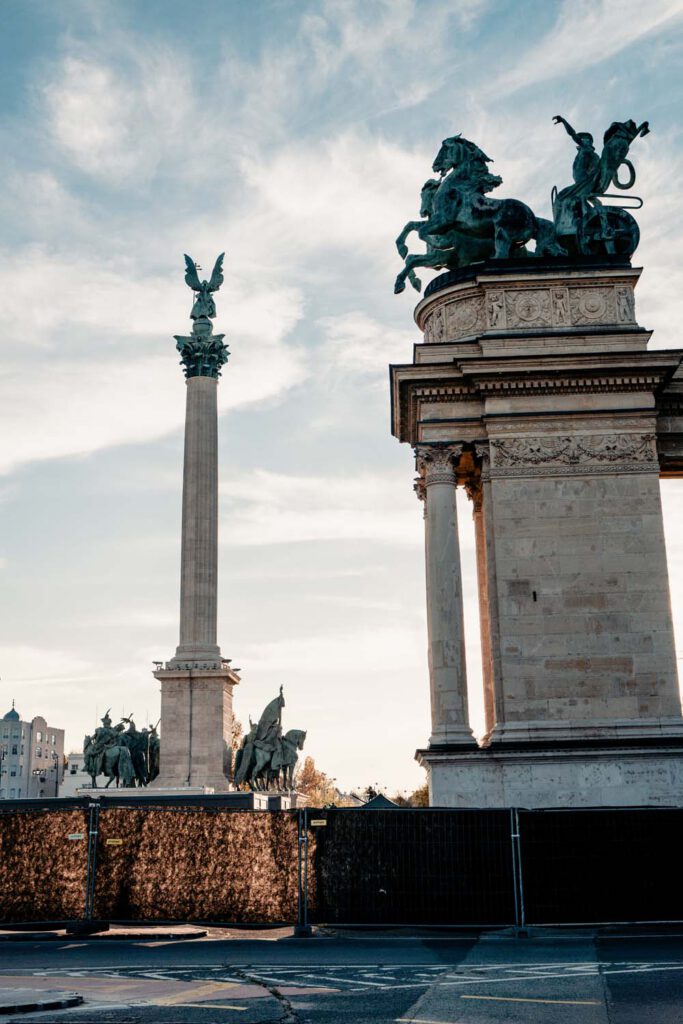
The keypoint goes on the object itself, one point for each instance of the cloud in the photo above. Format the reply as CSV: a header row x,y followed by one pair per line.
x,y
357,345
121,123
272,508
27,666
587,32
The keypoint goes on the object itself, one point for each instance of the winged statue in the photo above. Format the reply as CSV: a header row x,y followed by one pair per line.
x,y
204,306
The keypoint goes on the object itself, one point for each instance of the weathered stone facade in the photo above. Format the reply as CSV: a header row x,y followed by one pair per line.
x,y
560,422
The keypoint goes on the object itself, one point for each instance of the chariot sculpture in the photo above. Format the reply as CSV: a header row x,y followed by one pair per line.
x,y
461,225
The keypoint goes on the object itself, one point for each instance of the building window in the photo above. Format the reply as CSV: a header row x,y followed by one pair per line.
x,y
53,739
19,792
12,793
39,737
5,734
39,752
13,772
15,748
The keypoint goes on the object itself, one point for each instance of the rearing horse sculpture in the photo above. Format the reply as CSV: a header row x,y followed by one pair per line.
x,y
462,225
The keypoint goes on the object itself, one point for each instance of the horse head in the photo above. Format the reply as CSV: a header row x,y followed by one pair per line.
x,y
427,194
296,737
458,153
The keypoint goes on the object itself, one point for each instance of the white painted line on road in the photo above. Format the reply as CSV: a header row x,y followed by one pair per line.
x,y
212,1006
422,1020
520,999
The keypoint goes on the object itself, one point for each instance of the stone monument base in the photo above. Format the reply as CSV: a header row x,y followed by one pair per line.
x,y
578,774
196,715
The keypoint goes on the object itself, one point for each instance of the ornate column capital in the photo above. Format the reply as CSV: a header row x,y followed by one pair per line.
x,y
435,463
202,353
475,491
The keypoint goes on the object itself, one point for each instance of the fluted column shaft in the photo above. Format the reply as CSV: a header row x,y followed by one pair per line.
x,y
199,555
445,627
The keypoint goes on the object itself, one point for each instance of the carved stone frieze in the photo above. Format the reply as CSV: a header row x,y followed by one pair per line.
x,y
567,451
592,306
528,307
516,308
465,317
435,328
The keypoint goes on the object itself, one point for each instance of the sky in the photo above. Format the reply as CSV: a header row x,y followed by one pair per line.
x,y
295,136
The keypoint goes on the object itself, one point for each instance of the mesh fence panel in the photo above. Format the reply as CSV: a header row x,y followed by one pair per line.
x,y
185,864
43,873
413,867
602,865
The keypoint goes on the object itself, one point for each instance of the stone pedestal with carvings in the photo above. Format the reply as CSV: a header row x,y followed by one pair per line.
x,y
537,378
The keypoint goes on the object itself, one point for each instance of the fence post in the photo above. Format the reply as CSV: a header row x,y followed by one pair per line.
x,y
517,881
87,926
302,929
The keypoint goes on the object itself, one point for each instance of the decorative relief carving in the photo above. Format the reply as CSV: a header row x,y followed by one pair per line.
x,y
561,307
465,317
592,306
611,448
435,328
495,310
528,307
626,306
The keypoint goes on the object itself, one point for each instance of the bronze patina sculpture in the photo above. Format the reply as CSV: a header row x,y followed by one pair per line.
x,y
202,353
460,225
128,757
584,225
267,758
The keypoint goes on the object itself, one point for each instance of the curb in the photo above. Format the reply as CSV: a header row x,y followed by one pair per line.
x,y
104,937
58,1001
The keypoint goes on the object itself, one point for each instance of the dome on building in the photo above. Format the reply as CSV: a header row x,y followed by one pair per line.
x,y
12,715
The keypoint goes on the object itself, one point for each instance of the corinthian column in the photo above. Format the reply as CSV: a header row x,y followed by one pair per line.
x,y
196,685
447,673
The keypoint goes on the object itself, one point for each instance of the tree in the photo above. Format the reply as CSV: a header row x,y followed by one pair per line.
x,y
314,784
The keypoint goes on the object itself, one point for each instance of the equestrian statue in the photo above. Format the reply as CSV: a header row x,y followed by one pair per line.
x,y
267,758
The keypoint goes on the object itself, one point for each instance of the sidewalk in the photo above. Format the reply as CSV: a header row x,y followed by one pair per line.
x,y
29,1000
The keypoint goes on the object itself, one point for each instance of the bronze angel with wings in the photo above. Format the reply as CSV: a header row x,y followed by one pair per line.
x,y
204,306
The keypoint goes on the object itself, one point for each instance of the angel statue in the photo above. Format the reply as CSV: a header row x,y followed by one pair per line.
x,y
204,306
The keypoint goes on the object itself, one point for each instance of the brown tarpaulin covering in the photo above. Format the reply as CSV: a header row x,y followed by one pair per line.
x,y
184,865
43,873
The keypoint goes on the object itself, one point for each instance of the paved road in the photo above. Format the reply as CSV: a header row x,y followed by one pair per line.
x,y
436,980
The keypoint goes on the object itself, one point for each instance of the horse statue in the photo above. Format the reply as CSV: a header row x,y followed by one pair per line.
x,y
116,763
461,225
285,758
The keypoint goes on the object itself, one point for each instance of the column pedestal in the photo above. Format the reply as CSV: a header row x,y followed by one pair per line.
x,y
196,715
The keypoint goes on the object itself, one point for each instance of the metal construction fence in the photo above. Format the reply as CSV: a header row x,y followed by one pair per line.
x,y
87,860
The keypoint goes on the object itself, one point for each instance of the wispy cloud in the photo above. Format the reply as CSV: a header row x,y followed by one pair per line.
x,y
273,508
587,32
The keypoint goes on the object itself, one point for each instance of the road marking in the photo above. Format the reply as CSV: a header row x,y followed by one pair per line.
x,y
213,1006
422,1020
519,999
195,991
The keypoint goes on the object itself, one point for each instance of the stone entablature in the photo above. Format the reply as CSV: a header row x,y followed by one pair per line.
x,y
519,303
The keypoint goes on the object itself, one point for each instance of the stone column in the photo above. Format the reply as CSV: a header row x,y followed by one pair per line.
x,y
475,493
447,673
199,551
196,685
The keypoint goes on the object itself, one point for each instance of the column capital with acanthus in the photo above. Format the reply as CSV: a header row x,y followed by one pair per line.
x,y
435,463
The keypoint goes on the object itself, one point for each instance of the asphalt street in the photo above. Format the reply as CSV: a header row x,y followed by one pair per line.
x,y
554,979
